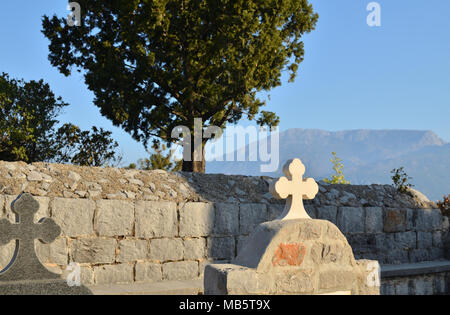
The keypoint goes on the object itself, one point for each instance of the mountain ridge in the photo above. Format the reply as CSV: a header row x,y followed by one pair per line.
x,y
368,156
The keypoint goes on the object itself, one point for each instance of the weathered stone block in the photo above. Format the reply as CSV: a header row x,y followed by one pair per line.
x,y
336,279
350,220
387,288
156,219
221,247
182,270
108,274
74,216
402,287
194,248
166,249
394,220
197,219
274,211
114,217
240,241
406,240
250,215
93,250
297,281
397,256
132,250
374,220
424,240
53,253
6,254
423,286
327,213
419,255
428,219
148,272
226,219
437,239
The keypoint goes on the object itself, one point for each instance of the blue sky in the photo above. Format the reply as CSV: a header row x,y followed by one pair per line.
x,y
396,76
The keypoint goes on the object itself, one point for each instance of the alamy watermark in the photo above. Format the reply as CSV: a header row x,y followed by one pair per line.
x,y
374,17
74,278
74,17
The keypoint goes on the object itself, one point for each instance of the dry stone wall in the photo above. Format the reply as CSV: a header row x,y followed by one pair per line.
x,y
126,226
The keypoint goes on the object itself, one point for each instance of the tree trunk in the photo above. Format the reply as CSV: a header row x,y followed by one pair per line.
x,y
195,166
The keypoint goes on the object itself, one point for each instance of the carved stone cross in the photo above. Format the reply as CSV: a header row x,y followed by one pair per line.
x,y
294,188
25,265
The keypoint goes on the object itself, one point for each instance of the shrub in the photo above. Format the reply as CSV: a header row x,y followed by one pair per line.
x,y
337,167
401,179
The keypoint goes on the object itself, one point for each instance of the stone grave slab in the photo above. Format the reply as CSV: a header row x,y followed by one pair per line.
x,y
25,275
294,254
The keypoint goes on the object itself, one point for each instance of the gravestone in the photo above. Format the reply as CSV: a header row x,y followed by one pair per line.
x,y
25,274
294,254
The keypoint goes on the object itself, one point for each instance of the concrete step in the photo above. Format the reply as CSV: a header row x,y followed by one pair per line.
x,y
187,287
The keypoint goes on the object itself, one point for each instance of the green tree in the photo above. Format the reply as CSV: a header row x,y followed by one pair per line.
x,y
86,148
154,65
28,120
338,178
28,112
160,161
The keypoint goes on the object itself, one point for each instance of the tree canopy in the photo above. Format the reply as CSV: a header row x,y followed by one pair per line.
x,y
29,133
157,64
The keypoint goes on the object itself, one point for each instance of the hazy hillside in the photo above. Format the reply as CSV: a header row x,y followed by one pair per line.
x,y
368,156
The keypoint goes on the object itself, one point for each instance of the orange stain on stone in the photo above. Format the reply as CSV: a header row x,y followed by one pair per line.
x,y
289,254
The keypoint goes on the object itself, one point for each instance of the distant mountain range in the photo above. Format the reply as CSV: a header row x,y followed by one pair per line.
x,y
368,157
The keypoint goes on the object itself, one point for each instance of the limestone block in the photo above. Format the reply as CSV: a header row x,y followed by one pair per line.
x,y
274,211
300,281
53,253
148,272
250,215
181,270
402,287
74,216
374,220
424,240
419,255
428,219
240,242
327,213
93,250
351,220
166,249
109,274
197,219
406,240
221,247
114,218
156,219
423,286
194,248
226,219
394,220
387,288
337,279
6,254
132,250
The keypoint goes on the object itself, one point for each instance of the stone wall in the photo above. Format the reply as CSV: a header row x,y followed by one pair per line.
x,y
140,226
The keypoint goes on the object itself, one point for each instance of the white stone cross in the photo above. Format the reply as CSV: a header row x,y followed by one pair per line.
x,y
294,188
